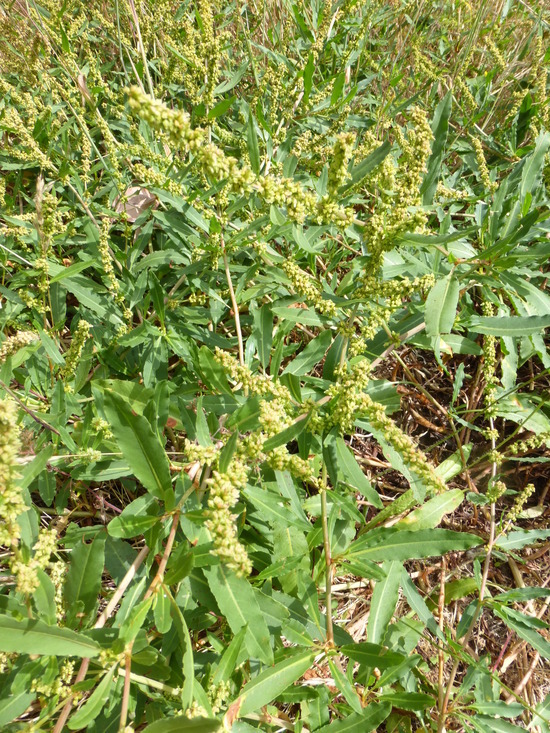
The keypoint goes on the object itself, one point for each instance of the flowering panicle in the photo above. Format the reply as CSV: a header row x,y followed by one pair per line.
x,y
346,397
307,287
532,443
74,351
224,494
491,186
384,297
411,455
13,343
26,575
521,499
299,202
395,189
349,400
256,384
12,503
490,365
341,154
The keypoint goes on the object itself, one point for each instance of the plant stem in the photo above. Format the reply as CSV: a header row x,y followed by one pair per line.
x,y
234,305
157,580
328,558
483,586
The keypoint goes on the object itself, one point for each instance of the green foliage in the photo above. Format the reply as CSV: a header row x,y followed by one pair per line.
x,y
224,229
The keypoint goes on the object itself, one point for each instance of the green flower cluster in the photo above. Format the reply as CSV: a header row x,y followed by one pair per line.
x,y
346,397
256,384
307,287
411,455
395,189
491,186
13,343
532,443
519,503
495,491
489,365
224,494
12,503
213,162
72,356
384,297
26,575
338,168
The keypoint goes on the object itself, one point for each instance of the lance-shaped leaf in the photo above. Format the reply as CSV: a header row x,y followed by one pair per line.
x,y
384,601
236,599
272,681
139,445
36,637
379,544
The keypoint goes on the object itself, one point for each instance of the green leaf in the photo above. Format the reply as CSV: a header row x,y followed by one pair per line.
x,y
221,108
136,518
533,166
492,724
311,355
83,581
14,705
236,600
379,544
161,611
508,326
139,445
228,451
272,681
517,595
408,700
307,316
441,303
253,148
524,627
186,661
226,665
383,602
499,708
338,87
213,373
342,466
285,436
430,514
372,655
263,331
36,637
366,166
345,687
44,597
290,543
440,127
95,703
521,538
181,724
372,716
308,77
419,605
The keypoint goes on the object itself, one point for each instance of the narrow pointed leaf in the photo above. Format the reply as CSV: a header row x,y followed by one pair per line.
x,y
384,601
271,682
139,445
237,602
371,717
36,637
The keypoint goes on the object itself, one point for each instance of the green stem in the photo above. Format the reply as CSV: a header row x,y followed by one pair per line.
x,y
328,558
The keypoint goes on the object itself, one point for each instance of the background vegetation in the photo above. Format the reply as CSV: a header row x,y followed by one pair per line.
x,y
274,418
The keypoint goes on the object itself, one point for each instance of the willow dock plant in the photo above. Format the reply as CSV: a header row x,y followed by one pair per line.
x,y
232,238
